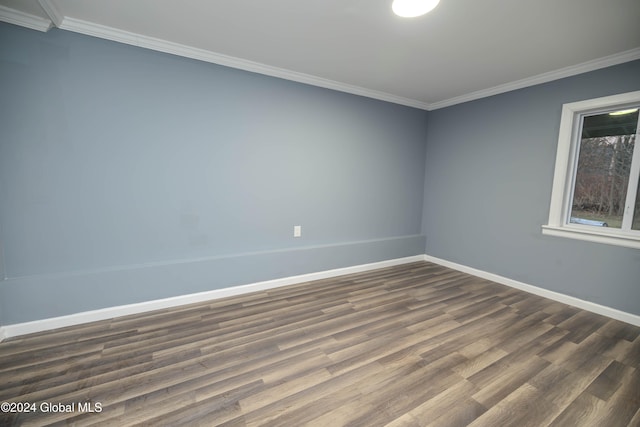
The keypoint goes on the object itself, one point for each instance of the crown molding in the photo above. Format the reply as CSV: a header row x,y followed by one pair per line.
x,y
121,36
23,19
52,12
596,64
108,33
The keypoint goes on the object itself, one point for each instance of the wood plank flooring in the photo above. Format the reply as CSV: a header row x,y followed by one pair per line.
x,y
411,345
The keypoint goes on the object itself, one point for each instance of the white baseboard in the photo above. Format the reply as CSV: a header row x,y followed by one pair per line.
x,y
18,329
556,296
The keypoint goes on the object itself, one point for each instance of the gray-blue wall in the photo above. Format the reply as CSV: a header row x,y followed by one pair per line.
x,y
128,175
489,170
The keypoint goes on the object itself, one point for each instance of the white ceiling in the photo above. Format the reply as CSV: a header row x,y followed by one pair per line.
x,y
462,50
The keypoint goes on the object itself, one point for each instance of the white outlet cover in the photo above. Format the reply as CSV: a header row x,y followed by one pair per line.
x,y
297,230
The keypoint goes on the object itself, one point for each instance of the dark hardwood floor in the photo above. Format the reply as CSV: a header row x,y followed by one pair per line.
x,y
411,345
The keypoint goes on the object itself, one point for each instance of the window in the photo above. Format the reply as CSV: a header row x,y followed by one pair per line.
x,y
596,185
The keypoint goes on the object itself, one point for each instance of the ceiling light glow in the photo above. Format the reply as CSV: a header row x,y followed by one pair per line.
x,y
413,8
621,112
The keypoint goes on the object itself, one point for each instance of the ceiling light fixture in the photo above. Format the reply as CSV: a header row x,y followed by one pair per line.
x,y
413,8
621,112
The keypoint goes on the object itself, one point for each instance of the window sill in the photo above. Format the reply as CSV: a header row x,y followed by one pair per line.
x,y
597,235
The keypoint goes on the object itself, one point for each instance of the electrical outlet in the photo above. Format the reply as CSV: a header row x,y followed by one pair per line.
x,y
297,231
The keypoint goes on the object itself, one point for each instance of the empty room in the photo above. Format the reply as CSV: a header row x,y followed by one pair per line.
x,y
319,213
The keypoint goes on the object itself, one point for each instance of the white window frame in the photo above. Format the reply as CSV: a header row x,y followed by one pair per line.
x,y
565,170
